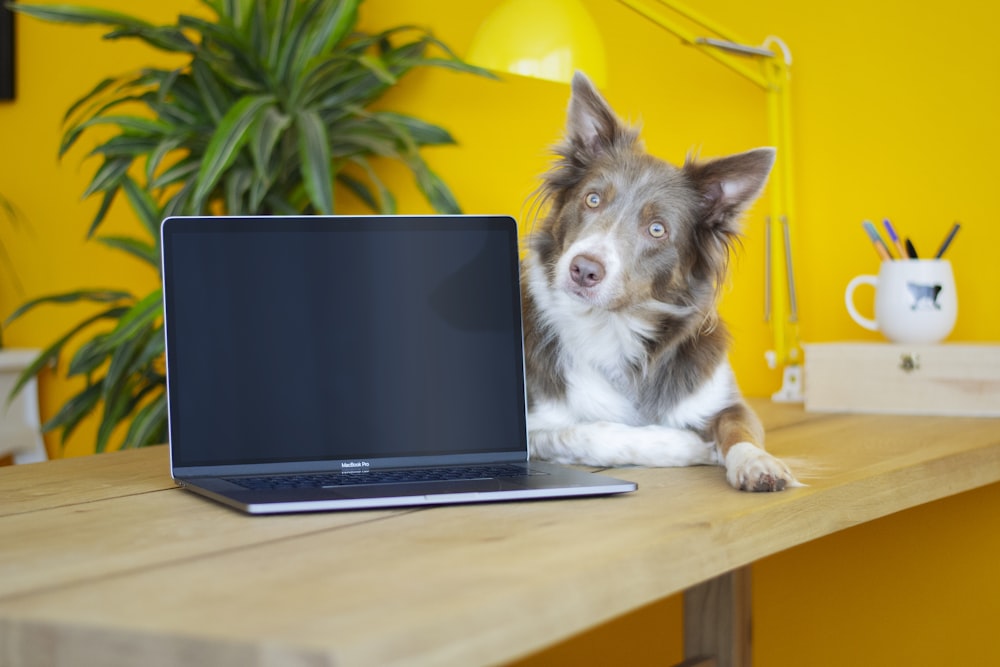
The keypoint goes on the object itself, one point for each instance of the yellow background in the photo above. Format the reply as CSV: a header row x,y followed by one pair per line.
x,y
895,107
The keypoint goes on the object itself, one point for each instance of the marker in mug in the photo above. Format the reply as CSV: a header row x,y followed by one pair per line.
x,y
895,238
947,241
879,244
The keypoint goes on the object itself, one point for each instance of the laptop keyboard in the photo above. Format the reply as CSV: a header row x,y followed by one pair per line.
x,y
335,479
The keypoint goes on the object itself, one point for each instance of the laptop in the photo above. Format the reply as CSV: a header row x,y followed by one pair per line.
x,y
338,362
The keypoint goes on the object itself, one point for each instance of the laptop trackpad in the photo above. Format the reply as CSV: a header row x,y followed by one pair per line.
x,y
420,488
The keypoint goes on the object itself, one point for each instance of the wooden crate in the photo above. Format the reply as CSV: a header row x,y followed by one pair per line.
x,y
944,379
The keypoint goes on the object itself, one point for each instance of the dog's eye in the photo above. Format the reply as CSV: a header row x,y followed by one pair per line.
x,y
657,230
593,199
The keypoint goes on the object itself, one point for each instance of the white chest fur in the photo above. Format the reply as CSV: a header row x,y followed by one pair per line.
x,y
598,353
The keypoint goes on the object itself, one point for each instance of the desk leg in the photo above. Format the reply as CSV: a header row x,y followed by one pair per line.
x,y
717,623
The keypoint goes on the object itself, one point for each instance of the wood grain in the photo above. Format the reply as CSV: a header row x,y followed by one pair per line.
x,y
464,585
718,620
75,481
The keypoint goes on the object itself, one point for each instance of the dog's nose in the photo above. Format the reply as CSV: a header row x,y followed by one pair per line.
x,y
586,271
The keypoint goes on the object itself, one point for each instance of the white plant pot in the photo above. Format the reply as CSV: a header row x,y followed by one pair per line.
x,y
20,433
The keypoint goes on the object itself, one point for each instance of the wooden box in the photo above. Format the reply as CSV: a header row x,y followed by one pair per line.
x,y
944,379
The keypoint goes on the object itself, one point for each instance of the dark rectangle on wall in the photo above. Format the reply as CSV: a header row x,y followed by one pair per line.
x,y
6,54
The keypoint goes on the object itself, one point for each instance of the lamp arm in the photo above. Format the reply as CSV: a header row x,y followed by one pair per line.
x,y
702,20
716,49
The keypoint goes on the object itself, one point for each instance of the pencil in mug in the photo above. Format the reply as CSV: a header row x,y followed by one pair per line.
x,y
880,247
947,241
903,254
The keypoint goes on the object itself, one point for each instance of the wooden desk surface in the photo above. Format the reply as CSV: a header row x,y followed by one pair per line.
x,y
104,562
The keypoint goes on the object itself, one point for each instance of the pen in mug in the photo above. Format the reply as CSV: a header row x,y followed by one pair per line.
x,y
880,247
895,238
910,250
947,240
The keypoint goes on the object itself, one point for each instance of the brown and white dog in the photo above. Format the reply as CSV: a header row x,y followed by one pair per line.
x,y
626,356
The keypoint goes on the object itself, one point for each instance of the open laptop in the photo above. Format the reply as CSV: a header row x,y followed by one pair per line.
x,y
324,363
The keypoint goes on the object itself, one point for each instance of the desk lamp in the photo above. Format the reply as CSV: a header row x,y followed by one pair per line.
x,y
551,39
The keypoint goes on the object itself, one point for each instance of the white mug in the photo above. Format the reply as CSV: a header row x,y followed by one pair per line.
x,y
915,300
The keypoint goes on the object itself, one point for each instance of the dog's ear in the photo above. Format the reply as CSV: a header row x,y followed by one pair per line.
x,y
729,185
592,126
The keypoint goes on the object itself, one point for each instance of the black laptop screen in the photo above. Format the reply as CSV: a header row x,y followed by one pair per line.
x,y
305,339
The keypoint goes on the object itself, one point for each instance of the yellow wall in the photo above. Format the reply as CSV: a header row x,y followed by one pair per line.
x,y
895,110
894,113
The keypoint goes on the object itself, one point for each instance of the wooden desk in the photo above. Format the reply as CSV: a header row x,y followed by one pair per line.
x,y
104,562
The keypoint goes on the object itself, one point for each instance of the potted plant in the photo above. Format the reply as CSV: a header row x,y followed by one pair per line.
x,y
19,422
272,106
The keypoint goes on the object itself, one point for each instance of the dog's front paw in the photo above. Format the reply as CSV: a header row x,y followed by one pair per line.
x,y
750,468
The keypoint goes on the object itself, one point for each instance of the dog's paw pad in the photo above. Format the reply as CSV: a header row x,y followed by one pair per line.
x,y
767,482
750,468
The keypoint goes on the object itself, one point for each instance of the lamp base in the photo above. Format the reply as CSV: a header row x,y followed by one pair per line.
x,y
791,386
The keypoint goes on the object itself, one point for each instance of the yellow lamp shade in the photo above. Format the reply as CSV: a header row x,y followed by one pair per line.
x,y
545,39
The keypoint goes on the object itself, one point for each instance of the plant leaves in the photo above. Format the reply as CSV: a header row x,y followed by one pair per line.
x,y
118,400
80,15
237,185
315,149
360,190
125,145
328,29
378,68
165,37
91,295
149,426
270,126
433,187
102,211
74,410
89,356
108,176
386,203
51,353
178,173
419,132
226,141
94,92
215,99
149,214
279,14
122,366
139,249
139,316
130,124
156,156
290,45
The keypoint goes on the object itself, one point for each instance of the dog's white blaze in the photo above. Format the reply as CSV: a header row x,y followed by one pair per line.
x,y
602,247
